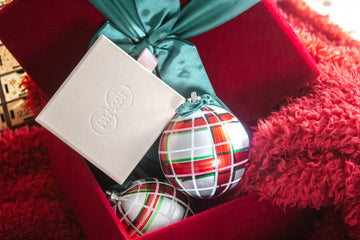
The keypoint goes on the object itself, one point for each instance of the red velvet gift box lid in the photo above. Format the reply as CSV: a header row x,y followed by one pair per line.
x,y
260,62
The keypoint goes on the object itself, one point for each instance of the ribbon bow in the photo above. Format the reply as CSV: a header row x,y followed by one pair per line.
x,y
163,26
188,108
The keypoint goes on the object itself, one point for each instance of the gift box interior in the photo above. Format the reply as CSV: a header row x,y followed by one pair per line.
x,y
253,61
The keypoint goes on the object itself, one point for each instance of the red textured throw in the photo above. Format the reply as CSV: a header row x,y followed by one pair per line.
x,y
31,206
306,153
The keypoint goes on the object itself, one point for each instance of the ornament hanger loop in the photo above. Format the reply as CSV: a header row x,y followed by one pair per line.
x,y
194,97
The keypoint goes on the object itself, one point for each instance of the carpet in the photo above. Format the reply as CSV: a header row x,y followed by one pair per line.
x,y
304,153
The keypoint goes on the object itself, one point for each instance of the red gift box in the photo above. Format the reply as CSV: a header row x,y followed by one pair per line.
x,y
253,62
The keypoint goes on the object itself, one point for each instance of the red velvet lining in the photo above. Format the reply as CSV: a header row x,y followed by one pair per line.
x,y
49,37
255,62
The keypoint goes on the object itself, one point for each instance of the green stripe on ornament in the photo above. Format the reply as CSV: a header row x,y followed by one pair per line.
x,y
189,159
187,132
240,150
197,177
239,167
137,191
233,162
154,214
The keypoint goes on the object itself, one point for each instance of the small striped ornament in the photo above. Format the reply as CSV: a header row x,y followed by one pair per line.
x,y
149,204
203,154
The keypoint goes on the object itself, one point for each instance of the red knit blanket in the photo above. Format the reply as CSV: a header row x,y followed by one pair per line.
x,y
305,153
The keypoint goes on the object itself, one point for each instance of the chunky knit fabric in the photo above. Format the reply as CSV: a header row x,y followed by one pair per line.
x,y
307,153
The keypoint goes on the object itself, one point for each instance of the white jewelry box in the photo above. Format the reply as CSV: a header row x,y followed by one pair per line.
x,y
110,109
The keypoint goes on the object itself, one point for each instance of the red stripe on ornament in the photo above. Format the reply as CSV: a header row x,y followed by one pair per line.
x,y
124,220
163,142
173,181
182,124
129,229
148,187
227,117
211,118
187,126
200,166
223,149
137,188
219,134
181,197
163,157
170,125
199,122
224,160
153,187
167,189
146,213
203,166
144,219
224,152
241,156
166,167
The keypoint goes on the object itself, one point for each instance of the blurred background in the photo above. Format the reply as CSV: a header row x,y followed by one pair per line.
x,y
345,13
12,94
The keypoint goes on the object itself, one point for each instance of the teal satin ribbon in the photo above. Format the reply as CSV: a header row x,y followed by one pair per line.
x,y
163,26
188,108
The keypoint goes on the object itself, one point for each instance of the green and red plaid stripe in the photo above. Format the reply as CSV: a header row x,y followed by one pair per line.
x,y
148,198
188,158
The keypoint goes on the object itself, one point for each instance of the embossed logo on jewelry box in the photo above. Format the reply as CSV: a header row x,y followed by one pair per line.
x,y
104,120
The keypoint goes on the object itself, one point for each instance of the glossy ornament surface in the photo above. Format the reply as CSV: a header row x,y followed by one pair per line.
x,y
203,154
149,204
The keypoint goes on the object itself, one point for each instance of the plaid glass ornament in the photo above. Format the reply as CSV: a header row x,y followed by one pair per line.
x,y
149,204
203,154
